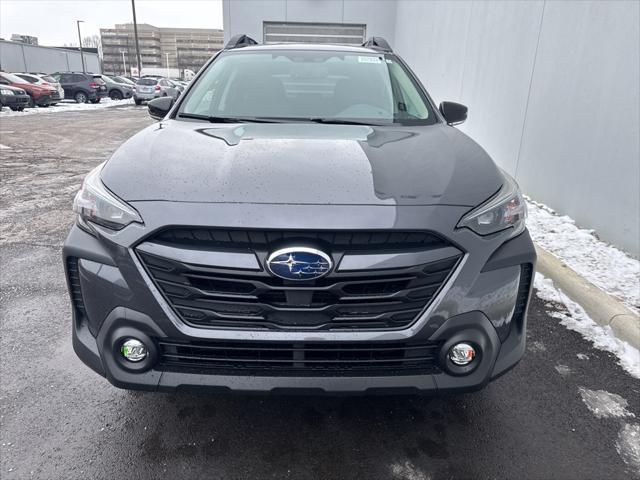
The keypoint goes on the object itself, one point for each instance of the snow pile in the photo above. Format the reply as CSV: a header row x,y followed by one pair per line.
x,y
612,270
572,316
628,445
67,106
604,404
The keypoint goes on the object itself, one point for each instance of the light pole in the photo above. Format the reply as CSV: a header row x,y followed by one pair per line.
x,y
135,32
124,63
80,43
166,55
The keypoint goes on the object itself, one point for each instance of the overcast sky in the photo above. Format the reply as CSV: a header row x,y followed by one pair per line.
x,y
53,21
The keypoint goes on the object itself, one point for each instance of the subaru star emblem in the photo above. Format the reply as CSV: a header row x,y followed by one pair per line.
x,y
299,263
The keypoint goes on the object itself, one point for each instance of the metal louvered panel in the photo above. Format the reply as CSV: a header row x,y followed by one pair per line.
x,y
327,33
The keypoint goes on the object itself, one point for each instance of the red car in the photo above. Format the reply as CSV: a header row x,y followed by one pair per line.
x,y
41,95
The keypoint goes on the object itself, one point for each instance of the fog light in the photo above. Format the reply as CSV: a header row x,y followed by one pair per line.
x,y
134,350
462,354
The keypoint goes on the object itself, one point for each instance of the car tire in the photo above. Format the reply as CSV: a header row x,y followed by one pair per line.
x,y
95,100
138,102
80,97
115,95
45,105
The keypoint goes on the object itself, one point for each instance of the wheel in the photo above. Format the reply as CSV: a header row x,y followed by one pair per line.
x,y
138,102
95,100
46,105
115,95
80,97
15,109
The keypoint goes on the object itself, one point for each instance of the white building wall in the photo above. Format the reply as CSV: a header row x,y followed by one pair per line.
x,y
553,89
20,57
247,16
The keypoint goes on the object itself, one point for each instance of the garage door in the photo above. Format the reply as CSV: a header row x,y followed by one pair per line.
x,y
333,33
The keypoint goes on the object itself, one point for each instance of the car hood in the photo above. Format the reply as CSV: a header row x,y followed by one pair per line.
x,y
15,90
284,163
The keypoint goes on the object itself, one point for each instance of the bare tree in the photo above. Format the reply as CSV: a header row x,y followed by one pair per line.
x,y
92,41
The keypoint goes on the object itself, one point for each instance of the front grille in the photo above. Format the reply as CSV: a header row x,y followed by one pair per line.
x,y
301,359
211,297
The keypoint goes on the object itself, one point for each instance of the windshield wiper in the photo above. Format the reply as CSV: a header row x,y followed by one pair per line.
x,y
340,121
213,119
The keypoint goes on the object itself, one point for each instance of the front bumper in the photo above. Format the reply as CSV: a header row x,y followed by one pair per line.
x,y
113,298
14,100
44,99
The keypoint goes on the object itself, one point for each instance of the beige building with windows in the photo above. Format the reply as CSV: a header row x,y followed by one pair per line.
x,y
181,48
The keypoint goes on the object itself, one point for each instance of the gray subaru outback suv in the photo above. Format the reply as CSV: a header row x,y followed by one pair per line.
x,y
302,219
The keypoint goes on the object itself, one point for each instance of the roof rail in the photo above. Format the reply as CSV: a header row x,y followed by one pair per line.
x,y
240,40
378,43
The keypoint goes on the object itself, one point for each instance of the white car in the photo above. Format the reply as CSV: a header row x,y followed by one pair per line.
x,y
44,80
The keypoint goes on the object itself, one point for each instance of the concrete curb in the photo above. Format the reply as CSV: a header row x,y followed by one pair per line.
x,y
600,306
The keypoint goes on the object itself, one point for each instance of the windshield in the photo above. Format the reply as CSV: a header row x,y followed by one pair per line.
x,y
316,85
123,80
147,81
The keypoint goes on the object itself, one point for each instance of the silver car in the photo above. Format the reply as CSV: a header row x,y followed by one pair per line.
x,y
149,88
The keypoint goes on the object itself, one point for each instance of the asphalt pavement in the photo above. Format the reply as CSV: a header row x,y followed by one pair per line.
x,y
60,420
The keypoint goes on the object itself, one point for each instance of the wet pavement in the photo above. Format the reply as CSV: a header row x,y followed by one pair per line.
x,y
58,419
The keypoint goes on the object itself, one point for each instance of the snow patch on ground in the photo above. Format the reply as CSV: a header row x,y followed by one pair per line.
x,y
609,268
628,446
408,471
572,316
563,370
604,404
67,106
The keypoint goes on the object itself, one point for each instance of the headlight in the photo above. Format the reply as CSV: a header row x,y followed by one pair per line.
x,y
507,209
94,203
6,92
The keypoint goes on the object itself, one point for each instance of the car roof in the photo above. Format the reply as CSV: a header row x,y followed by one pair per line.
x,y
309,46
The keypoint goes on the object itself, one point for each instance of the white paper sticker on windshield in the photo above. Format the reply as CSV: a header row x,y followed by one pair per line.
x,y
369,60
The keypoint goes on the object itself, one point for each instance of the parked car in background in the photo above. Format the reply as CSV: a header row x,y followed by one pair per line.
x,y
14,98
132,79
82,87
43,79
117,90
149,88
124,80
41,95
177,84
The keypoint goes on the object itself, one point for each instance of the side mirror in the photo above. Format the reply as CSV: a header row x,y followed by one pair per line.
x,y
454,113
159,107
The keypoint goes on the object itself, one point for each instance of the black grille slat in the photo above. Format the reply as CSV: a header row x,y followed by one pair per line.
x,y
237,239
217,297
299,358
74,285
